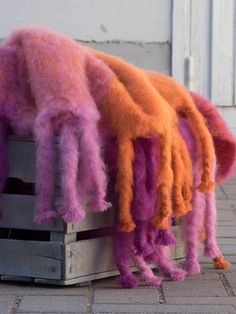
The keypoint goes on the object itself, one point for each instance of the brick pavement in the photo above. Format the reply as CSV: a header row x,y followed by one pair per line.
x,y
210,292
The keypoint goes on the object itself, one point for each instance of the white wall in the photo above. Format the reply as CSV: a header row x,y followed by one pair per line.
x,y
141,31
99,20
137,30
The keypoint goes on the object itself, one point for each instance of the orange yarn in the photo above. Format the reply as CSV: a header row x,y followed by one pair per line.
x,y
180,100
221,263
126,125
143,93
127,121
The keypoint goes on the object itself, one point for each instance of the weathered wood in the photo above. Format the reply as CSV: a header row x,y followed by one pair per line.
x,y
24,247
79,279
63,264
18,212
21,157
95,256
30,259
82,279
92,221
21,153
88,257
63,237
16,278
63,260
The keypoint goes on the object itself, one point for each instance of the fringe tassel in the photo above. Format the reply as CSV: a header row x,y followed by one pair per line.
x,y
221,263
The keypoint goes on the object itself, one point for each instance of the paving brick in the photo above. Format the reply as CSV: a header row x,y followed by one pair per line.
x,y
226,241
225,204
194,288
211,276
121,296
163,308
5,303
56,304
24,289
226,232
231,277
225,215
111,283
231,196
195,277
228,249
226,223
231,188
220,193
203,276
202,300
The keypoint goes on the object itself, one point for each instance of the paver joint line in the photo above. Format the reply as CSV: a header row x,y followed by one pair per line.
x,y
226,285
161,294
89,300
15,304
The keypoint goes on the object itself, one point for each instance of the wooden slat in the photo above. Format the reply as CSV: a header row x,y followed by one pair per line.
x,y
92,221
79,279
18,212
30,259
21,154
63,237
94,256
21,158
88,257
16,278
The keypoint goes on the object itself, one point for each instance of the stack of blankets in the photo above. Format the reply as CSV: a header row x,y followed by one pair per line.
x,y
161,148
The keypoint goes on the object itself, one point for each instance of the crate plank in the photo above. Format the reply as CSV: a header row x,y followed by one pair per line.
x,y
88,257
92,221
30,259
63,237
16,278
18,211
21,157
94,256
21,153
79,279
24,247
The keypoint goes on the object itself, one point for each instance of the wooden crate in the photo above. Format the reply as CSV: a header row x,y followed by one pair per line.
x,y
60,253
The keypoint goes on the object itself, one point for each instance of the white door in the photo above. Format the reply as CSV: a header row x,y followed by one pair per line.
x,y
203,48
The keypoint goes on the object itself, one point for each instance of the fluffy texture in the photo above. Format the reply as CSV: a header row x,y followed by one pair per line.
x,y
203,213
124,247
142,242
51,86
54,67
224,141
131,122
151,102
180,100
